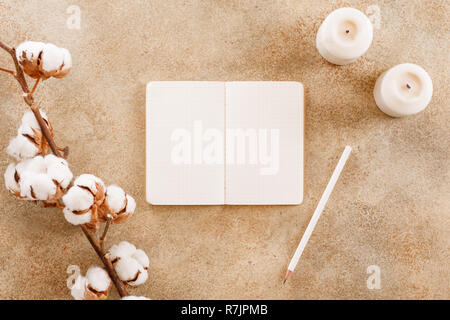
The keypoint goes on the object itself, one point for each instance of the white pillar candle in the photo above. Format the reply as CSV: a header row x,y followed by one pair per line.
x,y
344,36
403,90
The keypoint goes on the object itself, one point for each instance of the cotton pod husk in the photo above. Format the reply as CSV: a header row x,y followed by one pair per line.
x,y
131,264
94,286
98,284
83,200
39,179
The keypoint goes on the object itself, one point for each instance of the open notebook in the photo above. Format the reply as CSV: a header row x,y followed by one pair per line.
x,y
224,143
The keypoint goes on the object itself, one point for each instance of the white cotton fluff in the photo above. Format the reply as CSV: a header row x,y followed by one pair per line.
x,y
21,147
30,123
67,60
26,130
123,249
32,50
89,181
78,199
79,288
58,170
52,57
51,159
37,186
141,257
127,268
135,298
130,262
77,219
131,205
98,279
115,198
10,181
33,166
29,119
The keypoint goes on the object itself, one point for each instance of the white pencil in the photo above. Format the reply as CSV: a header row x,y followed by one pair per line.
x,y
323,201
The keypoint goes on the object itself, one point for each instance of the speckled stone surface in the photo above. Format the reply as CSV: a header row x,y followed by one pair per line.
x,y
390,207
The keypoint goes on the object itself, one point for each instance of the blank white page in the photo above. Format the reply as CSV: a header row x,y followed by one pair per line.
x,y
183,118
265,119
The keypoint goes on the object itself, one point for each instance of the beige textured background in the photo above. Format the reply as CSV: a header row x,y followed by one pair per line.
x,y
390,207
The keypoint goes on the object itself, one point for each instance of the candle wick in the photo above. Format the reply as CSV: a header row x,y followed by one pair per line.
x,y
347,31
408,86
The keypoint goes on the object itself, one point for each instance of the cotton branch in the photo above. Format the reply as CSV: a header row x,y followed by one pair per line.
x,y
8,71
19,75
105,232
106,262
28,97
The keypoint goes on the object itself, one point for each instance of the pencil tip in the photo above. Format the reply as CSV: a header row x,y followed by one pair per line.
x,y
288,273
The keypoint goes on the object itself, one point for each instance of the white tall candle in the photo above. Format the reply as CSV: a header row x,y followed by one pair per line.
x,y
403,90
344,36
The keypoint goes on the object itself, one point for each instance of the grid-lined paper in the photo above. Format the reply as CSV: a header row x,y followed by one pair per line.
x,y
254,130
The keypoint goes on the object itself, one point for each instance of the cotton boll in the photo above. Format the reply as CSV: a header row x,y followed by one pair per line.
x,y
43,60
10,179
78,199
77,219
123,249
98,279
127,268
115,198
28,141
21,147
141,257
131,205
135,298
130,263
79,288
52,58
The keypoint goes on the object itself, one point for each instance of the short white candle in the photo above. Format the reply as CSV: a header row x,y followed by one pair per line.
x,y
403,90
344,36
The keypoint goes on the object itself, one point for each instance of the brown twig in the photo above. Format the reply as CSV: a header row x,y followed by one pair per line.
x,y
35,86
19,76
105,232
8,71
45,130
106,262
